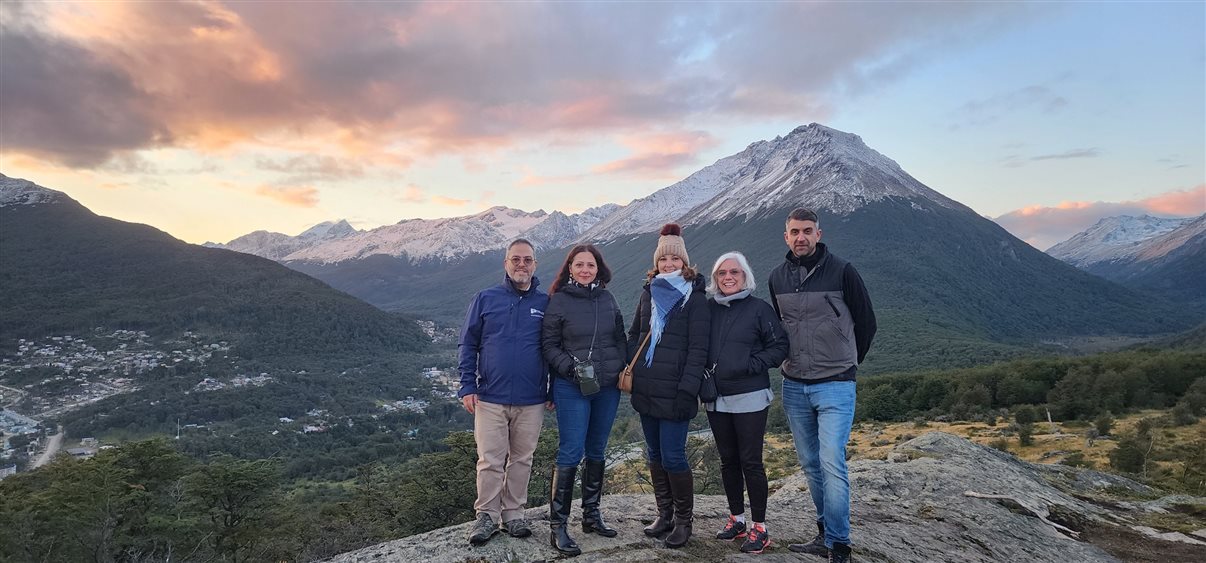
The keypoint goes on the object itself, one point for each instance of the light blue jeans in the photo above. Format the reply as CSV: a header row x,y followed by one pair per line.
x,y
820,416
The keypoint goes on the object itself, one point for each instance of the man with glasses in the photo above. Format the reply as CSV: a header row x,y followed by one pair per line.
x,y
504,382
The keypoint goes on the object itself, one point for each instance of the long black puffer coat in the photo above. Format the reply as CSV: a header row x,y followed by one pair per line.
x,y
574,315
669,388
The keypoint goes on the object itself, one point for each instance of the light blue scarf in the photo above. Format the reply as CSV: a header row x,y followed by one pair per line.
x,y
665,293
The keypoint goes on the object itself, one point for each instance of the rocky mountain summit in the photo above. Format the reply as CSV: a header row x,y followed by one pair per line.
x,y
937,497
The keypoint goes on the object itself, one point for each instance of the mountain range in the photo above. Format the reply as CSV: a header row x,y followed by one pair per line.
x,y
1161,255
119,331
951,286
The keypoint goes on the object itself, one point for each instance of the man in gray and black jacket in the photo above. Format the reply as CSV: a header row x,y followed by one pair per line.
x,y
829,321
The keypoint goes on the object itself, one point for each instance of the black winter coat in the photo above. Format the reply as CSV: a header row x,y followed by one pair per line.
x,y
669,388
575,314
747,340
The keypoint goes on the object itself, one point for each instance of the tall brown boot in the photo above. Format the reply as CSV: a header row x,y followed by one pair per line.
x,y
683,487
665,501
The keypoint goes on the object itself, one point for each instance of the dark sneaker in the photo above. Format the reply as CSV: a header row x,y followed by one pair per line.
x,y
814,547
483,529
518,528
756,540
840,553
732,530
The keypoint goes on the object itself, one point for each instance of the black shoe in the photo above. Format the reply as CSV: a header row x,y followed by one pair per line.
x,y
840,553
814,547
756,540
518,528
592,493
682,486
483,529
732,530
559,510
664,522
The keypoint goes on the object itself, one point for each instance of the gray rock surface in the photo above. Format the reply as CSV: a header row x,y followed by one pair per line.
x,y
912,509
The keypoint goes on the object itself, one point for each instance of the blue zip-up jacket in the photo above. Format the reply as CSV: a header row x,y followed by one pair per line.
x,y
500,356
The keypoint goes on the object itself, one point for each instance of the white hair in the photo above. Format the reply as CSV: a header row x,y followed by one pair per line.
x,y
741,261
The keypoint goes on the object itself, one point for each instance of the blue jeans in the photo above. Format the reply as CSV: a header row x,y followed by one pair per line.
x,y
583,423
666,442
820,416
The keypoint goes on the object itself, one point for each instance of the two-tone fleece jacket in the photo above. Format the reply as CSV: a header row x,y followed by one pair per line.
x,y
500,356
827,315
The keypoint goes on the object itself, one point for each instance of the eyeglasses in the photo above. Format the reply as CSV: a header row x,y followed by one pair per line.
x,y
526,260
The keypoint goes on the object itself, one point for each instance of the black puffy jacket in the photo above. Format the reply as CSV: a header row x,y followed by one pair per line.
x,y
747,340
669,388
574,315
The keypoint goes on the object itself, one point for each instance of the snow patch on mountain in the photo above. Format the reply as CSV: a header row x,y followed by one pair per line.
x,y
1118,238
16,191
276,246
422,238
813,166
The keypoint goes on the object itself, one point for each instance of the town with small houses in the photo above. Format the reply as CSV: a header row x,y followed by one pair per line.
x,y
50,376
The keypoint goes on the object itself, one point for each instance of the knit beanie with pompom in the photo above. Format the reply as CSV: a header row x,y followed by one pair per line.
x,y
671,242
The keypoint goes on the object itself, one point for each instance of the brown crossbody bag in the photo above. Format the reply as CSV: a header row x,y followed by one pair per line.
x,y
625,383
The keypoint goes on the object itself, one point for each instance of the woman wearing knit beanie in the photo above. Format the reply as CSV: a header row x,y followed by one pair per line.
x,y
669,336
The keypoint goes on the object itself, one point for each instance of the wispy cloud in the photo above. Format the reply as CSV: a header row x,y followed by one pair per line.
x,y
413,194
1037,98
659,155
1045,226
1093,152
449,201
298,196
307,169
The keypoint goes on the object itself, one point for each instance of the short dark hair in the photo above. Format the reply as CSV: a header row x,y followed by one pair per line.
x,y
519,241
802,214
563,277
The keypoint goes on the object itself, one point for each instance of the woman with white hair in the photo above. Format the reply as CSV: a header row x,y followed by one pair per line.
x,y
747,340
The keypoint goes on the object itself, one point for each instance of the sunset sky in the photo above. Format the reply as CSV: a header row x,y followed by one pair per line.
x,y
213,119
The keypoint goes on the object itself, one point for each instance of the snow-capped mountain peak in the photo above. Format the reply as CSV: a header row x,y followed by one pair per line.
x,y
276,246
448,238
329,230
1113,238
16,191
814,166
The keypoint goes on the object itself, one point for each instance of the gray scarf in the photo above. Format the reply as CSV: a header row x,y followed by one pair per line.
x,y
726,299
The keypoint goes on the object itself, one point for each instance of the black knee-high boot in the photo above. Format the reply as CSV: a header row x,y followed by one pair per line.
x,y
592,494
559,510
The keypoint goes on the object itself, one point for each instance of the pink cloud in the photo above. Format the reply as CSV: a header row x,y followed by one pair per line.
x,y
299,196
450,201
1045,226
412,194
388,82
657,156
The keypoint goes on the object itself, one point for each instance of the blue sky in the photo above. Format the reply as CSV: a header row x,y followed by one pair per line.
x,y
210,119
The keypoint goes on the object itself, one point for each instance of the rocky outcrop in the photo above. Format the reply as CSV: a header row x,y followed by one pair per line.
x,y
925,505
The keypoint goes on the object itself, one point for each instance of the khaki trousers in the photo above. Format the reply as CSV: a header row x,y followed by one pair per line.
x,y
506,437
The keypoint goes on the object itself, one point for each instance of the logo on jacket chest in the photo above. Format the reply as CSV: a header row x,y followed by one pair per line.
x,y
537,313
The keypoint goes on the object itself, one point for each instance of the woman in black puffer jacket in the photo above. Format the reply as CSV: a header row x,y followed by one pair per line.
x,y
584,344
673,315
747,340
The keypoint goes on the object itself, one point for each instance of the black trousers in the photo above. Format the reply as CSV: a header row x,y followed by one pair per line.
x,y
739,439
